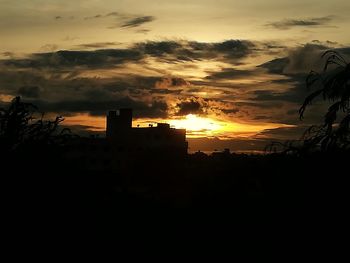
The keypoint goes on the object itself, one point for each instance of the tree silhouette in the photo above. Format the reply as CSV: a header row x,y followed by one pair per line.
x,y
19,127
333,84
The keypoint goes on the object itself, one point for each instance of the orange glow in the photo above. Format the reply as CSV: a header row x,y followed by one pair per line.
x,y
196,126
91,123
6,98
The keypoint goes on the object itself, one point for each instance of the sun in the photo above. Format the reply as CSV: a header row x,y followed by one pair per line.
x,y
196,124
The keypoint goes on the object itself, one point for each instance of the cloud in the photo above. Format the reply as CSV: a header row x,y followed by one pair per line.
x,y
294,69
302,59
230,51
263,105
190,106
113,14
29,91
308,22
94,17
156,109
171,82
230,73
138,21
282,133
103,58
230,111
276,66
98,45
233,49
123,20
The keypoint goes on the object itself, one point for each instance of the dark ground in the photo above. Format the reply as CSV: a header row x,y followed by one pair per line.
x,y
202,196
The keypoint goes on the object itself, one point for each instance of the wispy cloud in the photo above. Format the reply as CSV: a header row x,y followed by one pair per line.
x,y
138,21
308,22
97,45
94,17
123,20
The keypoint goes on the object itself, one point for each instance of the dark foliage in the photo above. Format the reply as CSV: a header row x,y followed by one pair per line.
x,y
333,84
20,128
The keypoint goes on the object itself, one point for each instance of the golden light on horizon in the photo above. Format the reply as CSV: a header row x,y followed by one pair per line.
x,y
90,123
196,126
193,123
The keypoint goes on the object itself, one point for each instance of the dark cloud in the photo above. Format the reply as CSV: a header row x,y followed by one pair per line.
x,y
301,59
309,57
295,68
92,95
190,106
233,49
296,92
166,91
230,51
263,105
156,109
276,66
29,91
231,111
283,133
103,58
230,73
58,17
138,21
160,48
309,22
171,82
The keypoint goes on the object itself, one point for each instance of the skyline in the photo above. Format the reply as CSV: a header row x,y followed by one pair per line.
x,y
231,71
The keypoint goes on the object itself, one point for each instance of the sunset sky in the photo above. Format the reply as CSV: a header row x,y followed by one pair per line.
x,y
231,72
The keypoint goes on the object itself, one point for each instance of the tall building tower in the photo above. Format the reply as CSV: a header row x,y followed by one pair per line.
x,y
117,124
125,116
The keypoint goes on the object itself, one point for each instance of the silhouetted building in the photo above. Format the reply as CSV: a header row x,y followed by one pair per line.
x,y
117,124
161,138
126,146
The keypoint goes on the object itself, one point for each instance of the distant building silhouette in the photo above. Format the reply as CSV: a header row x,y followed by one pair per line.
x,y
126,146
119,124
